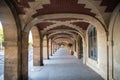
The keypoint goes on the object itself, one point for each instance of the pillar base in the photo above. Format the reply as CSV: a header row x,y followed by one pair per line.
x,y
51,55
41,63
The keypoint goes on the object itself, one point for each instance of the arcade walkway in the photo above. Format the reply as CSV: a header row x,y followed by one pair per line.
x,y
62,66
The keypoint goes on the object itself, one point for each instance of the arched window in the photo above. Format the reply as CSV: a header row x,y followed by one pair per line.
x,y
93,43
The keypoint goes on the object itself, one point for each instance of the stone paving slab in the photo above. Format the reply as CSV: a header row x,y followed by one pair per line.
x,y
62,66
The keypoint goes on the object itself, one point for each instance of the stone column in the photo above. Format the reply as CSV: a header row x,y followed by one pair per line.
x,y
36,55
41,50
24,56
75,45
110,43
47,48
36,46
81,48
45,55
84,52
54,47
11,60
78,47
51,47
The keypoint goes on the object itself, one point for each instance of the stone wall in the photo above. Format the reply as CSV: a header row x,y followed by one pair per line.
x,y
114,45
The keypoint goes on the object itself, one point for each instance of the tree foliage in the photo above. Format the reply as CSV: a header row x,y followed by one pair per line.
x,y
1,35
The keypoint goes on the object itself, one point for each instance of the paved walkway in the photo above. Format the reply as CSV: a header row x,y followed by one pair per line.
x,y
1,64
62,66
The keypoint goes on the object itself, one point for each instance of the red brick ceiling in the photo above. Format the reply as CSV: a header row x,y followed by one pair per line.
x,y
62,27
60,6
111,4
43,25
61,37
63,6
82,25
62,34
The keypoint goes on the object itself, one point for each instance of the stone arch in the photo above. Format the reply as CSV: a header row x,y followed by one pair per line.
x,y
37,47
101,31
10,31
86,18
114,59
66,37
61,32
81,33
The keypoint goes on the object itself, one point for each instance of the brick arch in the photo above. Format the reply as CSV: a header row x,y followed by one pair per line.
x,y
32,9
71,31
60,40
66,36
10,30
68,31
75,28
61,32
86,18
101,28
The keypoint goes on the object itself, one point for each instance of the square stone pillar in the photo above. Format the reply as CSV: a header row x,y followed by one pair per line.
x,y
51,48
41,50
47,48
24,55
36,55
11,60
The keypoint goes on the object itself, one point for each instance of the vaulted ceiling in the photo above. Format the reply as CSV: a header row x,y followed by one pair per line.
x,y
30,10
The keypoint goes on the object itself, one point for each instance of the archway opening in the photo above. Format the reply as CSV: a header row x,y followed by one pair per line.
x,y
1,52
30,53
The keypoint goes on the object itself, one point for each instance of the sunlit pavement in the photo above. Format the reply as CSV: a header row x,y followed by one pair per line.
x,y
1,64
62,66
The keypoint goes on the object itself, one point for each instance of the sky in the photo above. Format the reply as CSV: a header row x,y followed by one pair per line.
x,y
30,35
0,25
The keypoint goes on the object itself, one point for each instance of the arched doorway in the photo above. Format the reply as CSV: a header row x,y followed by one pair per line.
x,y
30,53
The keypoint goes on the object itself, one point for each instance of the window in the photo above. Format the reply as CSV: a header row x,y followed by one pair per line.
x,y
92,43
